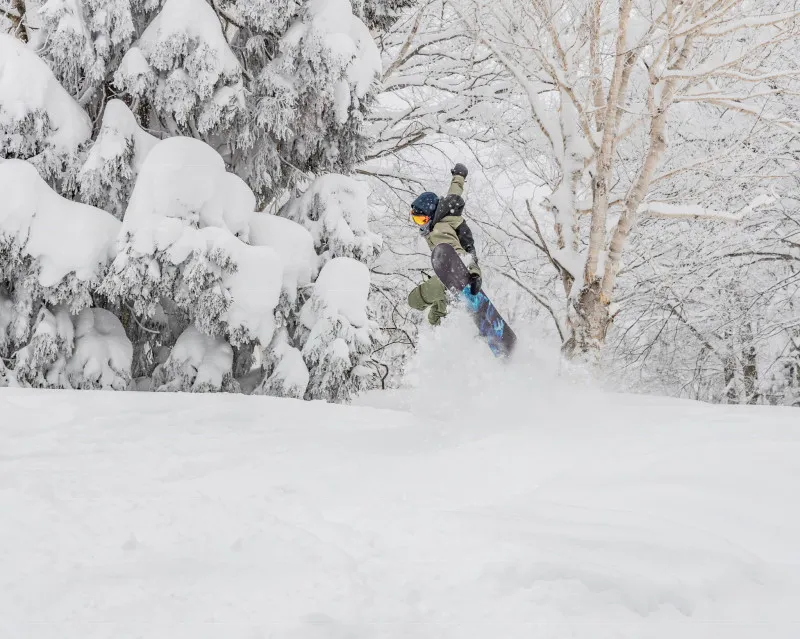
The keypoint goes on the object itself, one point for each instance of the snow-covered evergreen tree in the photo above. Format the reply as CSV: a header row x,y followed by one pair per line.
x,y
6,376
286,372
42,362
52,251
309,91
337,336
334,209
380,14
176,117
183,72
109,172
84,40
39,120
274,87
182,247
87,351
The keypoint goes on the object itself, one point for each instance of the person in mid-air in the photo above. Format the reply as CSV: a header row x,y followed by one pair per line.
x,y
441,221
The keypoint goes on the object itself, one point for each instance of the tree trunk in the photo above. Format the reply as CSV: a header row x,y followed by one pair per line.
x,y
603,173
729,375
243,359
749,366
588,320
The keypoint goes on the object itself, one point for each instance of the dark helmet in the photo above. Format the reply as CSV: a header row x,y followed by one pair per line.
x,y
426,204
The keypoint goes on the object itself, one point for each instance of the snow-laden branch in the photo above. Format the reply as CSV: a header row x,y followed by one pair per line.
x,y
726,28
720,72
666,210
547,124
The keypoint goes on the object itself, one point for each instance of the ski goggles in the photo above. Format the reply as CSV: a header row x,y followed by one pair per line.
x,y
420,219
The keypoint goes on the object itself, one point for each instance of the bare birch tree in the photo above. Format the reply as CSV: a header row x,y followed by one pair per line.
x,y
609,85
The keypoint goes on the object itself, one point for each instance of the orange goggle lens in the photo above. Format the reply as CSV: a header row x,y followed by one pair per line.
x,y
420,220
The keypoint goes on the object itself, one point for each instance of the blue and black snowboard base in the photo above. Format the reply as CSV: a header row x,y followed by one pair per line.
x,y
455,276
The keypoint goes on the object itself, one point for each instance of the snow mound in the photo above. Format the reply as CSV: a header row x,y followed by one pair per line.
x,y
605,517
103,353
454,373
61,235
197,363
183,181
335,210
33,102
293,243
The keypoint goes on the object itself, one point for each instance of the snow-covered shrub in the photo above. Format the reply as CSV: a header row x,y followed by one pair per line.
x,y
52,250
6,376
286,372
39,120
103,353
784,384
42,363
338,337
89,351
335,211
334,334
107,176
197,363
183,68
179,242
6,25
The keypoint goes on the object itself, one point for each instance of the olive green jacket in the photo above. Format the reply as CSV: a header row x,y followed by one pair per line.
x,y
446,230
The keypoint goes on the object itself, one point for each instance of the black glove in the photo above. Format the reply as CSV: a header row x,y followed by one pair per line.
x,y
460,169
475,283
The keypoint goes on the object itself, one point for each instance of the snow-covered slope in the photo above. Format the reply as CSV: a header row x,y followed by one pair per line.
x,y
493,514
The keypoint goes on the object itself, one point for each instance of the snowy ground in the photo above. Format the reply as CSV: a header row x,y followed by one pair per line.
x,y
512,509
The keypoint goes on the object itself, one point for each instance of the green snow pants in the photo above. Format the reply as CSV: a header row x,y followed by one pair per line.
x,y
430,293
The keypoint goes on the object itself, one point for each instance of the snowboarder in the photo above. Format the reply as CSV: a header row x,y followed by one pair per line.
x,y
441,221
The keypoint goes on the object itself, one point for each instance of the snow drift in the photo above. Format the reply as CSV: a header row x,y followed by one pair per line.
x,y
552,514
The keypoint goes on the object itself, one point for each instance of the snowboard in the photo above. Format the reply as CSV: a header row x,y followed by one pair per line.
x,y
455,276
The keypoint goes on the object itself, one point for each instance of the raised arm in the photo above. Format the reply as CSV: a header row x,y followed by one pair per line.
x,y
459,173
